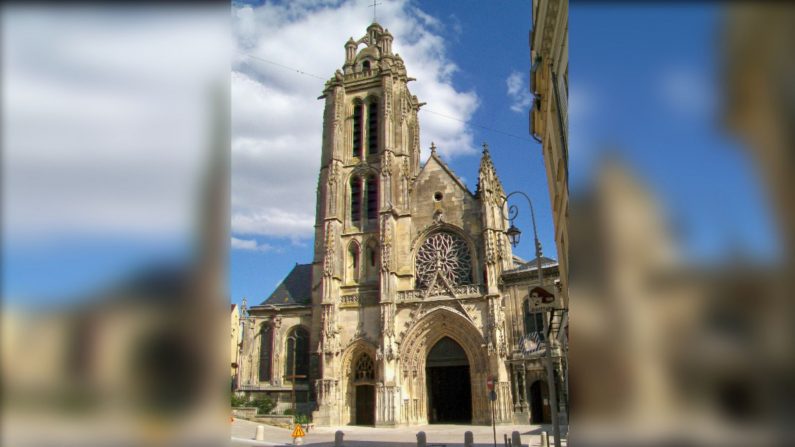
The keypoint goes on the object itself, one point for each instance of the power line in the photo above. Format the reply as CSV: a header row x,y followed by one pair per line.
x,y
480,126
284,66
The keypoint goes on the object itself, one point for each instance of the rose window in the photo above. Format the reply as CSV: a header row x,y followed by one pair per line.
x,y
443,256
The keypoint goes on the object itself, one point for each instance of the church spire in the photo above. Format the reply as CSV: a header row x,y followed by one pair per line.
x,y
488,181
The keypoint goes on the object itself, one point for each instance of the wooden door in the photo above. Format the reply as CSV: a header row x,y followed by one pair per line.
x,y
365,405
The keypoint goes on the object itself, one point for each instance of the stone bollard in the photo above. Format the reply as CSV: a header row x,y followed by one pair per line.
x,y
260,433
469,439
338,438
421,441
516,439
544,439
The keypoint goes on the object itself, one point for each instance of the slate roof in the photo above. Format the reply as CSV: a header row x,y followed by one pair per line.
x,y
532,265
296,288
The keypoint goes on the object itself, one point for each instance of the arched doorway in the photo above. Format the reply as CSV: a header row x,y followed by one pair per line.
x,y
364,390
539,403
447,377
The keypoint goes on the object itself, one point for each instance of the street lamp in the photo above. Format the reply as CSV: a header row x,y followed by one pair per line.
x,y
513,233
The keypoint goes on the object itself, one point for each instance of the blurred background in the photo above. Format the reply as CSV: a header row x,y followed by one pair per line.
x,y
681,223
115,190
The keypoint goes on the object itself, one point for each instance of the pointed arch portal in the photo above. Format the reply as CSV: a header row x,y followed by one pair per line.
x,y
444,348
448,380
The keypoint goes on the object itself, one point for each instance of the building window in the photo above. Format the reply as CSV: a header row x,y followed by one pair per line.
x,y
372,127
443,259
366,66
533,321
357,129
265,353
365,369
372,197
297,347
356,200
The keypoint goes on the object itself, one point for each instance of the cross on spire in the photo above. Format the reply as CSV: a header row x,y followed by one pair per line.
x,y
373,6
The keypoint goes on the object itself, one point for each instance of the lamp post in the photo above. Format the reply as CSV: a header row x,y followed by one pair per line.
x,y
514,235
293,376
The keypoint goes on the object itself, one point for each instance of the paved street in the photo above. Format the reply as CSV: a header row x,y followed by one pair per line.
x,y
243,433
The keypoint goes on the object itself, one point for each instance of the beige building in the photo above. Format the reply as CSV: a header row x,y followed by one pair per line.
x,y
549,83
234,341
413,299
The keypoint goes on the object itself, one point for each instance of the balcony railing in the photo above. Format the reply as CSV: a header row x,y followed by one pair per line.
x,y
465,291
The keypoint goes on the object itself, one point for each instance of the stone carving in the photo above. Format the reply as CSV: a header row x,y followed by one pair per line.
x,y
386,164
357,299
491,255
386,244
328,261
329,341
333,181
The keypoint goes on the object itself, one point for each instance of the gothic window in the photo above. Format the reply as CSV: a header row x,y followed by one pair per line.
x,y
357,129
372,127
365,369
372,197
356,199
297,347
443,255
533,321
366,66
265,353
353,263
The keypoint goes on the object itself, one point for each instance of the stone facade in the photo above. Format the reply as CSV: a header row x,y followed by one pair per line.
x,y
413,282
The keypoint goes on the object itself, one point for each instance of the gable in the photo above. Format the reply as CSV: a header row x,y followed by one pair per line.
x,y
436,174
438,195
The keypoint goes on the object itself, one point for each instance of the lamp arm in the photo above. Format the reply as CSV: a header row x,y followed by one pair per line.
x,y
513,212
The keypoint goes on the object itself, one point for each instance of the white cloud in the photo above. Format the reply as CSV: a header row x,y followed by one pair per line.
x,y
277,120
518,92
249,244
687,92
580,103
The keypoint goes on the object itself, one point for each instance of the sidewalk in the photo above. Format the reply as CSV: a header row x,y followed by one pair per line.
x,y
243,433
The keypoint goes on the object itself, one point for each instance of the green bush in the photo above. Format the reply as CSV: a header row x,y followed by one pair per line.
x,y
288,411
264,405
238,401
301,418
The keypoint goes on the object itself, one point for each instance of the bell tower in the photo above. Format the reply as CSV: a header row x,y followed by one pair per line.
x,y
370,156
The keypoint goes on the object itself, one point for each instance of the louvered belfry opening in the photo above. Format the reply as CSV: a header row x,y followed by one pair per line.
x,y
372,127
372,197
357,129
356,200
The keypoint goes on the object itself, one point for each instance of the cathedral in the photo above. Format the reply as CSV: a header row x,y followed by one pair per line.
x,y
413,308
